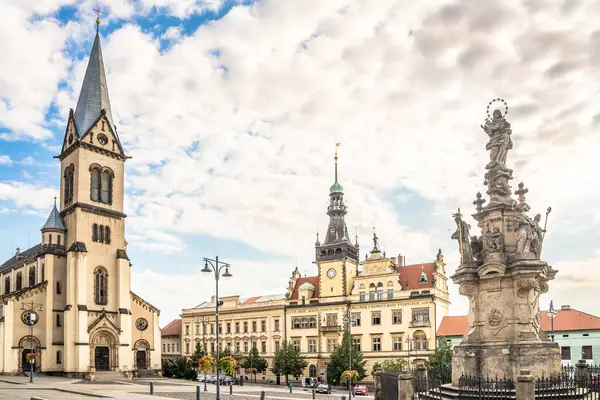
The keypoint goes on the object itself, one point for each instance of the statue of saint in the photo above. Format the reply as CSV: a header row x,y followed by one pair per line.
x,y
498,129
477,248
524,235
538,235
494,241
462,235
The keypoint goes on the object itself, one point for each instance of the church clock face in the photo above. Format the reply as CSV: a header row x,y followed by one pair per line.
x,y
331,273
141,324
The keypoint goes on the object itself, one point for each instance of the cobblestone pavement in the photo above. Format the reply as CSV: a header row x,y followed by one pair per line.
x,y
27,394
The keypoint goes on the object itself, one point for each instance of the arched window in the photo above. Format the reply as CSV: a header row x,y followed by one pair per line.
x,y
50,239
7,285
312,371
31,275
58,240
380,291
420,340
43,273
58,287
304,323
100,286
312,323
68,184
19,280
95,184
95,232
106,235
106,188
101,234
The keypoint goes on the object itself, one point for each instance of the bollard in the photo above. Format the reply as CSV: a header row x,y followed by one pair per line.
x,y
151,387
198,392
343,397
290,386
262,395
230,388
313,393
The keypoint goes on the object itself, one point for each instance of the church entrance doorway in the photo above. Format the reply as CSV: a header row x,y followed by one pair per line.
x,y
25,363
140,359
102,358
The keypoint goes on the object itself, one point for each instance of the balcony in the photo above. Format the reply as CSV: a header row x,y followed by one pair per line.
x,y
331,328
419,324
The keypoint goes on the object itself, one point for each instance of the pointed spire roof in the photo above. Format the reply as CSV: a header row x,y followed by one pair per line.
x,y
93,97
336,187
54,220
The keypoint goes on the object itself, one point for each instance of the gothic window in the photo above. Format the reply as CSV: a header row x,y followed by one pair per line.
x,y
101,234
106,235
95,184
58,287
7,285
31,275
68,184
100,286
43,273
19,280
105,193
95,232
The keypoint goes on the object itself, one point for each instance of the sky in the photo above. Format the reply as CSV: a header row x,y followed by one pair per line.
x,y
231,110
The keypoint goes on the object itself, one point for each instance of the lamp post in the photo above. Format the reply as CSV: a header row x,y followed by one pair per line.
x,y
349,320
552,314
409,348
204,321
215,267
30,318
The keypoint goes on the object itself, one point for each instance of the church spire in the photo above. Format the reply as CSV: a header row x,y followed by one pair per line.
x,y
93,98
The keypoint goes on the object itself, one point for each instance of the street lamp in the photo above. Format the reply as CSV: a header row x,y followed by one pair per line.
x,y
552,314
215,266
409,348
31,318
204,321
349,320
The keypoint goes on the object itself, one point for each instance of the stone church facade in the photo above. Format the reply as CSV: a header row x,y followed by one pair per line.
x,y
77,280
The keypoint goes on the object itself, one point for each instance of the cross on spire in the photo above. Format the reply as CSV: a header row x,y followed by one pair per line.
x,y
98,12
478,203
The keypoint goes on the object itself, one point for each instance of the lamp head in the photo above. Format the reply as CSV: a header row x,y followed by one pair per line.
x,y
227,274
206,270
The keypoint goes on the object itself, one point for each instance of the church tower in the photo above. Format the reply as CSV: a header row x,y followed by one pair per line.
x,y
337,257
98,271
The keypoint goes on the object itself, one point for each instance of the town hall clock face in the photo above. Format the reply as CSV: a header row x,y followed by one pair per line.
x,y
331,273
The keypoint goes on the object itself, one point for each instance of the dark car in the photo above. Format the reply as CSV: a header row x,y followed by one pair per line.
x,y
361,389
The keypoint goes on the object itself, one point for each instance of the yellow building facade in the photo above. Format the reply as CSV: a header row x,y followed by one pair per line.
x,y
77,280
397,308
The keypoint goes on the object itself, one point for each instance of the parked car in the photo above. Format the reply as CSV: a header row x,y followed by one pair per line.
x,y
200,377
323,388
211,378
361,389
309,382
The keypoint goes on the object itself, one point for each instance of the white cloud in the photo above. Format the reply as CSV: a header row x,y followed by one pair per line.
x,y
27,196
5,160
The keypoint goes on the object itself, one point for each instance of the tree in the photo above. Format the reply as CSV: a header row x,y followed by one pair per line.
x,y
288,361
394,366
338,362
254,360
439,365
198,354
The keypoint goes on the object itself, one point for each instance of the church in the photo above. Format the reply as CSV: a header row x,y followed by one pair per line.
x,y
68,299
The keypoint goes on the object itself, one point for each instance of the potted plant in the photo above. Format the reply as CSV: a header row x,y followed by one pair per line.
x,y
31,357
350,375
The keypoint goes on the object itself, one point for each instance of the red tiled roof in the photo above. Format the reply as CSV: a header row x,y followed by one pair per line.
x,y
453,326
251,300
565,320
313,280
411,274
173,328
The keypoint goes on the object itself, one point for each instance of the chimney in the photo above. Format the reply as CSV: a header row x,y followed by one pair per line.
x,y
401,260
565,307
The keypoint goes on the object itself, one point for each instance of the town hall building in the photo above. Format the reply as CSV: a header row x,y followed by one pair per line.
x,y
75,285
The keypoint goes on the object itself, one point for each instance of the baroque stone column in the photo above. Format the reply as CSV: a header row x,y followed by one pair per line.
x,y
502,275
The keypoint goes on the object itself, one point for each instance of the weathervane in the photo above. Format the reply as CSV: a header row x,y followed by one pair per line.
x,y
98,12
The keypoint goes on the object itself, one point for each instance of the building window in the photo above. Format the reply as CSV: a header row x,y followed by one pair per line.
x,y
245,347
187,348
586,351
164,348
356,345
7,285
355,318
106,235
59,357
237,347
58,240
362,296
187,330
304,323
237,327
43,273
94,232
420,341
229,327
312,345
397,317
101,234
212,348
372,292
263,326
212,329
565,353
312,322
376,343
376,318
58,287
95,184
178,347
276,325
19,280
68,184
390,294
420,315
245,327
263,347
220,330
397,343
295,323
101,284
31,275
101,185
253,343
380,291
276,345
332,344
296,344
169,347
332,320
253,326
58,325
